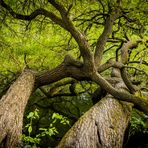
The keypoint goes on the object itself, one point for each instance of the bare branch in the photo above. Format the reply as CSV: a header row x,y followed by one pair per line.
x,y
108,64
117,51
140,70
68,68
143,62
124,60
78,36
125,48
127,81
56,86
48,95
33,15
105,35
141,103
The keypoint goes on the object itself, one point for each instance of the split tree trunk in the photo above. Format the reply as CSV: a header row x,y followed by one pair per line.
x,y
12,106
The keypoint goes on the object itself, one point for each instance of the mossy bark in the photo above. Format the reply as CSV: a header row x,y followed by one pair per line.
x,y
12,106
103,126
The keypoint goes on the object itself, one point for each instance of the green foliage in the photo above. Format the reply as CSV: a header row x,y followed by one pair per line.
x,y
33,141
139,122
49,132
28,139
30,142
62,119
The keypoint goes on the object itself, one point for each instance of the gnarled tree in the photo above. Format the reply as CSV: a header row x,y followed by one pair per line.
x,y
105,123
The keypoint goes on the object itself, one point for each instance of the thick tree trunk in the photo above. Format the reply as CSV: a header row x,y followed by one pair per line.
x,y
12,106
103,126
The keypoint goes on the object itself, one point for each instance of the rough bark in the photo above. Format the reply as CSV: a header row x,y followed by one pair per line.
x,y
12,106
103,126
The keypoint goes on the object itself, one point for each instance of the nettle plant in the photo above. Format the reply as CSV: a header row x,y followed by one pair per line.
x,y
32,142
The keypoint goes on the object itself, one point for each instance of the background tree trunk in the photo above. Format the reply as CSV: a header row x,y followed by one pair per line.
x,y
12,106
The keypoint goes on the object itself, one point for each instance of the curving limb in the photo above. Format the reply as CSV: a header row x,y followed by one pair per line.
x,y
105,34
79,37
139,102
33,15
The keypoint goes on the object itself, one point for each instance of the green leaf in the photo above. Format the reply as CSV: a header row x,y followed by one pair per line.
x,y
31,114
30,129
42,129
